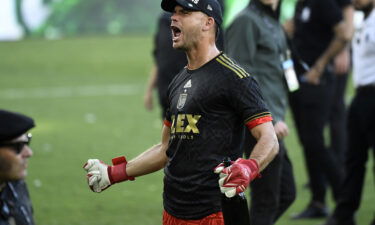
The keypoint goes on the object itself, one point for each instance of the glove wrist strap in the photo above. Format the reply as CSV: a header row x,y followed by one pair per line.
x,y
117,172
254,167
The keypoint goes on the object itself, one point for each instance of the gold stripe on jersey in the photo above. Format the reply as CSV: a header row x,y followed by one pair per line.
x,y
257,116
234,66
229,67
237,66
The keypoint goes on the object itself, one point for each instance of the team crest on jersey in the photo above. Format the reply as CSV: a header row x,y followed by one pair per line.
x,y
188,84
305,16
181,101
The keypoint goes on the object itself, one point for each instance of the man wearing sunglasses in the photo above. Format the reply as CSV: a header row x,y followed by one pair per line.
x,y
15,204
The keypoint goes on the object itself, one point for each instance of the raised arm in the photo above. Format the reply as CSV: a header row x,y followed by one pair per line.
x,y
100,175
151,160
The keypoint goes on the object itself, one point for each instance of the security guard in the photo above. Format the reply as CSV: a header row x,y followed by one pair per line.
x,y
15,204
256,40
319,35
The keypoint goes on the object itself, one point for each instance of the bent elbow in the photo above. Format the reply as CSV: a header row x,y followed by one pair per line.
x,y
344,34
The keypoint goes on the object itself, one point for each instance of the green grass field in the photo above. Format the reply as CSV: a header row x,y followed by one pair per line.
x,y
86,97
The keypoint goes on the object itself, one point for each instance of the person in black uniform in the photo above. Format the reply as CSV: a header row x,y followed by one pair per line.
x,y
257,41
15,204
210,104
168,62
341,65
319,35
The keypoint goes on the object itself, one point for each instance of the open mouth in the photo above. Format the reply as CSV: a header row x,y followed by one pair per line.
x,y
176,32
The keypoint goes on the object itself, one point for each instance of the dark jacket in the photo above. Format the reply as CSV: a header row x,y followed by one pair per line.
x,y
15,204
256,40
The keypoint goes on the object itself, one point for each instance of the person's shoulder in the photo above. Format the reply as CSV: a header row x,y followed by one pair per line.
x,y
13,188
245,16
164,20
229,69
165,16
244,21
17,186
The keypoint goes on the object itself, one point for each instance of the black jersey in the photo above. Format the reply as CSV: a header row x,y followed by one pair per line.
x,y
208,110
15,204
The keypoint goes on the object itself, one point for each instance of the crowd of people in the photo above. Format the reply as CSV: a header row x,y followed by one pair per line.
x,y
224,93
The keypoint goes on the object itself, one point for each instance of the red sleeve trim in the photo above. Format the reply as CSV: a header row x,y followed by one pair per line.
x,y
253,123
167,123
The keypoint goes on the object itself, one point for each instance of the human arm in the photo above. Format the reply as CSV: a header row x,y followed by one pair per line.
x,y
153,159
289,27
100,176
151,84
343,32
342,60
237,177
337,44
163,22
267,145
281,129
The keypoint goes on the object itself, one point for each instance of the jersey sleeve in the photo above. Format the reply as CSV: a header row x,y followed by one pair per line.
x,y
246,99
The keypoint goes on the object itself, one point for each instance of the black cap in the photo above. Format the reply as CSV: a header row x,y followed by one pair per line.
x,y
13,125
210,7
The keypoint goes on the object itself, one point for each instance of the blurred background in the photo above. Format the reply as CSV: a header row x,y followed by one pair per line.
x,y
54,19
79,68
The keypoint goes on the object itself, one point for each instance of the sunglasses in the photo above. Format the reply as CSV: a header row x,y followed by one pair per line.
x,y
19,145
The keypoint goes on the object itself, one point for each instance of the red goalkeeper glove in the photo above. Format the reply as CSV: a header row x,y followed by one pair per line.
x,y
237,177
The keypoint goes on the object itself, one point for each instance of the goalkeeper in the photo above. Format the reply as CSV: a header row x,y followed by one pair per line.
x,y
211,102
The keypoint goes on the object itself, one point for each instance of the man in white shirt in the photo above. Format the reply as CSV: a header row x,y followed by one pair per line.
x,y
361,120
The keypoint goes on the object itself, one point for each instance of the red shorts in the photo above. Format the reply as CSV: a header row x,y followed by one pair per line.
x,y
213,219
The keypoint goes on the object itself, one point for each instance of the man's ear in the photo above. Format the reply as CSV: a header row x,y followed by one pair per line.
x,y
209,24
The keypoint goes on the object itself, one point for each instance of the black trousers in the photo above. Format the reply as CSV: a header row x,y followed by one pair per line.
x,y
311,106
337,121
361,138
337,118
274,192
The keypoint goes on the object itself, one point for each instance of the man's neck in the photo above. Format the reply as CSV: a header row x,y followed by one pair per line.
x,y
200,55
